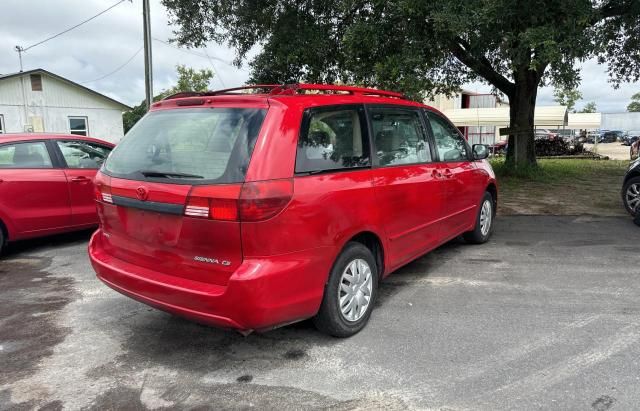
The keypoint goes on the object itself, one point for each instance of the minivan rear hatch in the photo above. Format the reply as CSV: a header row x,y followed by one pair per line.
x,y
168,194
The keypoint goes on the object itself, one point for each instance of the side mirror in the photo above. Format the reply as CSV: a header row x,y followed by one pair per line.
x,y
480,152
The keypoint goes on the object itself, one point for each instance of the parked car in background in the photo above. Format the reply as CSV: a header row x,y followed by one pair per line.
x,y
567,134
46,184
499,147
612,136
545,134
630,137
631,188
594,136
252,211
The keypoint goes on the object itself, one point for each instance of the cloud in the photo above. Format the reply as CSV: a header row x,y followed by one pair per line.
x,y
595,86
102,45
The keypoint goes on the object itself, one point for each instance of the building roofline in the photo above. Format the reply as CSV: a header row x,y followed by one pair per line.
x,y
73,83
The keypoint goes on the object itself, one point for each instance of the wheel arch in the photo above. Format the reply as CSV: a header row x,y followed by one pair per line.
x,y
5,232
373,242
492,188
634,173
6,226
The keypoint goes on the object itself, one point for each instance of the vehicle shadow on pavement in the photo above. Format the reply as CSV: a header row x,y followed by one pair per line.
x,y
43,243
417,270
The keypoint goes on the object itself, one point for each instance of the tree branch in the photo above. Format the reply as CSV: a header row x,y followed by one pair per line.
x,y
609,10
481,66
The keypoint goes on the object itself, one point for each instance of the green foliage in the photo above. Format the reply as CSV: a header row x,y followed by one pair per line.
x,y
567,97
188,80
590,107
634,106
423,47
191,80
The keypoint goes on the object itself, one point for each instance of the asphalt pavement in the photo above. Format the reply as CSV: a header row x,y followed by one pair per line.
x,y
544,316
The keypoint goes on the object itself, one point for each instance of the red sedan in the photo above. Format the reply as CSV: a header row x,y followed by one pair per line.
x,y
46,184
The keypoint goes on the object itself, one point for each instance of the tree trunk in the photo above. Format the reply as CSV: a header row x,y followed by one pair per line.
x,y
522,104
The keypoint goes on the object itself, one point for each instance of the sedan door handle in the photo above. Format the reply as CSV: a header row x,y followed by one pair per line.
x,y
447,173
80,179
436,174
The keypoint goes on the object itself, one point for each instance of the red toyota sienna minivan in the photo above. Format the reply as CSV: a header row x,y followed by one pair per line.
x,y
255,210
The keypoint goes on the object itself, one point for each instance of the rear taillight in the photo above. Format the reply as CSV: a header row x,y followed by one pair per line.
x,y
103,193
262,200
214,202
225,209
255,201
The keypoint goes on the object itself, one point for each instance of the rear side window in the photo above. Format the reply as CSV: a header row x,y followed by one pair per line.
x,y
82,154
203,145
399,136
333,138
25,155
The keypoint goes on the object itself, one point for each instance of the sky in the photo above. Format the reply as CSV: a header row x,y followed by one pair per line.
x,y
94,54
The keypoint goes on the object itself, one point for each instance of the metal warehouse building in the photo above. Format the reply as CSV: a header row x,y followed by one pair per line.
x,y
40,101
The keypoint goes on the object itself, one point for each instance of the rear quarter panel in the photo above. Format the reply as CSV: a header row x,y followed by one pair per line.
x,y
275,150
325,212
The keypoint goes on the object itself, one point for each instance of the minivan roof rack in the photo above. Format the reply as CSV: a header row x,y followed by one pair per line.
x,y
363,91
291,89
270,87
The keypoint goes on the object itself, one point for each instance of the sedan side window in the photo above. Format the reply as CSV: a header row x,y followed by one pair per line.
x,y
82,154
450,144
25,155
399,136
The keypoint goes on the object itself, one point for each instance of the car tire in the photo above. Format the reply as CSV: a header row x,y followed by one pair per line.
x,y
484,221
339,314
2,239
630,190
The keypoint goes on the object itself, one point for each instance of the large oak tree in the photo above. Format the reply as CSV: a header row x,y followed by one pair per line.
x,y
419,46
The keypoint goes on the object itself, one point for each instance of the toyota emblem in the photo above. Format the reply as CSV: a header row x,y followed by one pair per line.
x,y
142,193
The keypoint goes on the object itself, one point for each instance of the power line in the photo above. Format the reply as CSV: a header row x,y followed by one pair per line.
x,y
214,69
116,70
71,28
204,56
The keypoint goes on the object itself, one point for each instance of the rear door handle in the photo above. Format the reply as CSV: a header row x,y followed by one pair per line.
x,y
447,173
436,174
80,179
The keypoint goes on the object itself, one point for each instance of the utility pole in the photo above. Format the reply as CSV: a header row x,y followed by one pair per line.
x,y
148,63
20,50
25,108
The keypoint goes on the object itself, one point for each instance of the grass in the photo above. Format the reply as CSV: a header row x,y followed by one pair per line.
x,y
562,187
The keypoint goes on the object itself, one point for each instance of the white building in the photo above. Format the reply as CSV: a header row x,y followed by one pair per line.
x,y
40,101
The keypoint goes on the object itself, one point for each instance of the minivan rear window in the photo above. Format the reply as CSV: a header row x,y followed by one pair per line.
x,y
194,146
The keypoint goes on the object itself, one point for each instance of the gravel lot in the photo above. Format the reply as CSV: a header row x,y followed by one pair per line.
x,y
614,151
546,315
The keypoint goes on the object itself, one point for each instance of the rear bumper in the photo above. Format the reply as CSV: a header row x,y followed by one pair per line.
x,y
262,293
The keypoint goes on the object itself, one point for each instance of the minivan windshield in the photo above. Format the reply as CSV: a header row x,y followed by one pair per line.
x,y
202,145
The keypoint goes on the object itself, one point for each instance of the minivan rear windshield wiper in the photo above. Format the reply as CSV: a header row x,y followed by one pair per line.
x,y
167,174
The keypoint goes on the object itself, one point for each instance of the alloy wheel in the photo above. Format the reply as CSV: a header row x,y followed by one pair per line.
x,y
632,197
